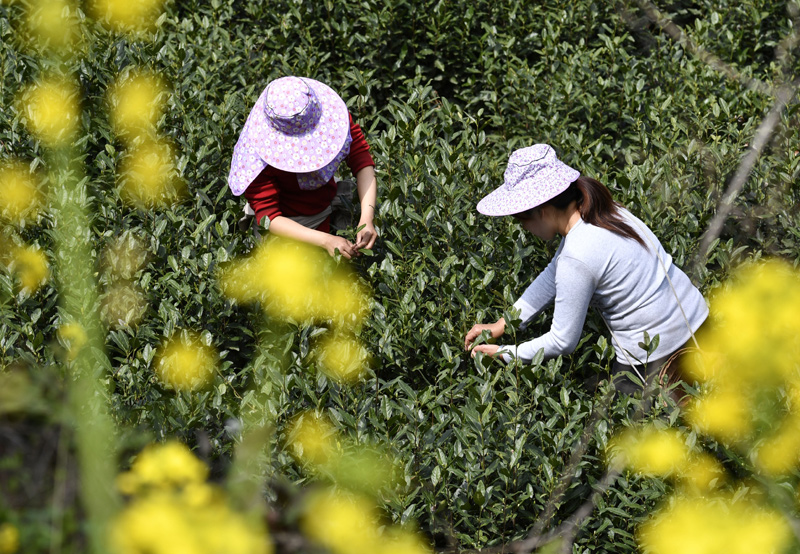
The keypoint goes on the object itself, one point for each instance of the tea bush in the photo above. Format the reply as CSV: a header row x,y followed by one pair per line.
x,y
444,91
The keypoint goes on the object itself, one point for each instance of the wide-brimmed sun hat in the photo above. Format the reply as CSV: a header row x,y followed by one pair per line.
x,y
534,175
297,125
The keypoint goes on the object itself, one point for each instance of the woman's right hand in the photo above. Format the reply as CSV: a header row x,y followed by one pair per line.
x,y
495,329
346,248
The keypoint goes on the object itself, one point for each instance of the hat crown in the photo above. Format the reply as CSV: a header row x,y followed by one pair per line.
x,y
525,163
291,106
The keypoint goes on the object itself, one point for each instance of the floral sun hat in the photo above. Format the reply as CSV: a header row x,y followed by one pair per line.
x,y
534,175
297,124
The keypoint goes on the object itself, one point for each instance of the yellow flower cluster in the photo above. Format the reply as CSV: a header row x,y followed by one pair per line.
x,y
74,337
20,197
27,263
127,15
663,452
53,24
175,510
710,525
147,176
749,368
9,539
185,363
52,110
750,354
300,283
348,524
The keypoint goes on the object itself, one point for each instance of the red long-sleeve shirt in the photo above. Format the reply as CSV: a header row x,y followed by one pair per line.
x,y
275,192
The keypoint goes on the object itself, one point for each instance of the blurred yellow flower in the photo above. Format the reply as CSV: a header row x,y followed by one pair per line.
x,y
650,451
704,525
51,107
702,473
30,266
53,23
162,466
9,539
123,305
20,196
296,282
74,337
342,356
137,103
127,15
148,176
312,438
723,413
345,524
780,453
185,363
404,542
162,523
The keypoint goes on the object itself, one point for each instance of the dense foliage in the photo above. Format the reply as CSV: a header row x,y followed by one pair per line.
x,y
444,91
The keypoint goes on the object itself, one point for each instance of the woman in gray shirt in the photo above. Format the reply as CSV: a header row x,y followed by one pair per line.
x,y
607,258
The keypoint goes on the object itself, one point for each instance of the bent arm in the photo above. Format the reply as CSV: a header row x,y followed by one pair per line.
x,y
575,284
285,227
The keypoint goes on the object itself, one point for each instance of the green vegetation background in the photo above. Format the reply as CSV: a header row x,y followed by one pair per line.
x,y
444,90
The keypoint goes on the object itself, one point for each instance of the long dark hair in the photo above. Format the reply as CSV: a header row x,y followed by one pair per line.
x,y
594,202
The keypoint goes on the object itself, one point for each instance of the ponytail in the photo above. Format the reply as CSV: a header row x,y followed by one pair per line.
x,y
594,202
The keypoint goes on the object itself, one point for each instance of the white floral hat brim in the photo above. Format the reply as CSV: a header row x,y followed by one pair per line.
x,y
260,144
534,175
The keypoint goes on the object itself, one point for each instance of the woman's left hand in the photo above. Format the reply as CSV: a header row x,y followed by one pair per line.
x,y
366,236
488,349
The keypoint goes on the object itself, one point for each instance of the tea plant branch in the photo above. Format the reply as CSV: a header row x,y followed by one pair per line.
x,y
784,97
680,36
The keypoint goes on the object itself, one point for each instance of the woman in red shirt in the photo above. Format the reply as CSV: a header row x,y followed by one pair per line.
x,y
293,141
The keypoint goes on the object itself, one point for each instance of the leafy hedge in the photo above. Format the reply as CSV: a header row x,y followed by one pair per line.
x,y
444,90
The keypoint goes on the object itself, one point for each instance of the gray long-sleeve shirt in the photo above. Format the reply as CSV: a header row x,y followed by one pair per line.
x,y
624,281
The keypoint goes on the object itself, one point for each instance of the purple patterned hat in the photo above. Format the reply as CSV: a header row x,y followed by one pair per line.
x,y
534,175
297,124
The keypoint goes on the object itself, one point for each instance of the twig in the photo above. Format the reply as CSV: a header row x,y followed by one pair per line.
x,y
673,30
784,97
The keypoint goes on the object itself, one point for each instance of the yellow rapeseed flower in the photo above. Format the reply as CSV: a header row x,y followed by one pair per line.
x,y
148,176
723,413
9,539
650,451
296,282
780,453
345,524
702,473
52,110
342,356
137,103
20,196
704,525
53,24
185,363
74,337
30,266
162,466
127,15
312,438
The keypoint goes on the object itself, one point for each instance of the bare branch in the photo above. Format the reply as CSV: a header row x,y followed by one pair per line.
x,y
784,97
673,30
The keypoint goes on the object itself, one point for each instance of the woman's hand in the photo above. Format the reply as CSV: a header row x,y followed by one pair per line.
x,y
495,329
488,349
346,248
366,236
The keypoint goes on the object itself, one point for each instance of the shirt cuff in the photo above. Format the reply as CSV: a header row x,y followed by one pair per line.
x,y
526,312
507,353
